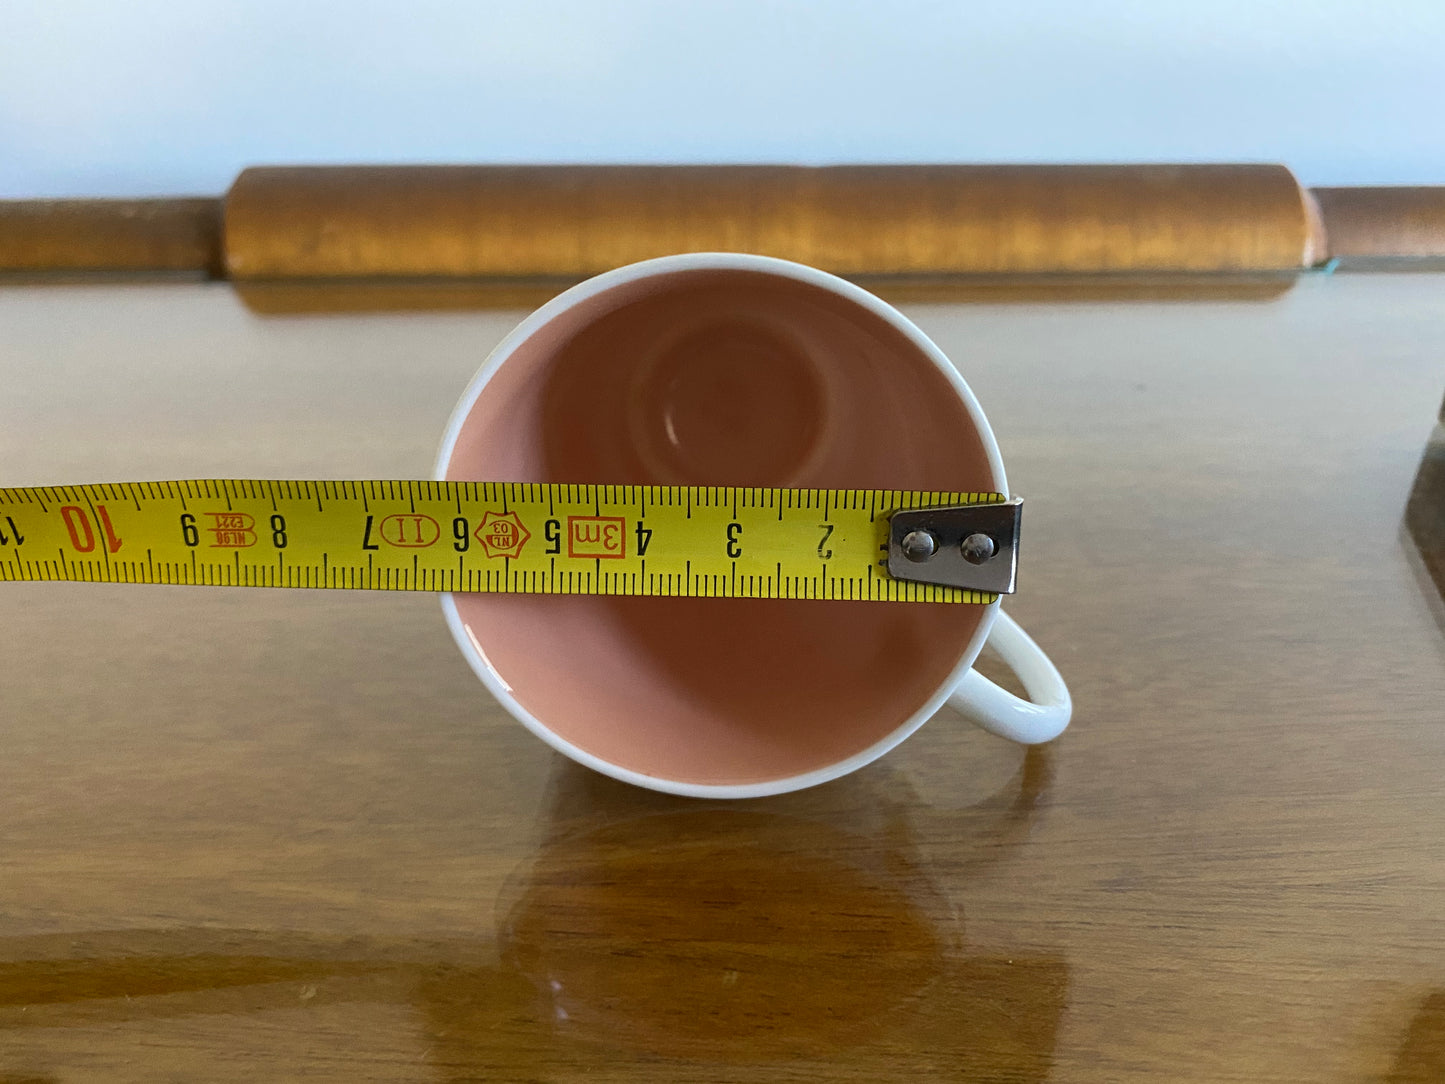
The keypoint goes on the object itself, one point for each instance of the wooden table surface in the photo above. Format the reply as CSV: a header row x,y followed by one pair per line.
x,y
265,835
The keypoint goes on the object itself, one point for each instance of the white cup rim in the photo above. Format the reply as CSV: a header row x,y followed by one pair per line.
x,y
473,651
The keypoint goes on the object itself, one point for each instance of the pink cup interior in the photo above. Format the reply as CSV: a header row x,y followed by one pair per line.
x,y
720,377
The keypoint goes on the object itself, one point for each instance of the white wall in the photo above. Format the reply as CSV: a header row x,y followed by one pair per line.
x,y
117,97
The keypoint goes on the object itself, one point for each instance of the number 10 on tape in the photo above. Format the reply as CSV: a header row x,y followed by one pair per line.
x,y
689,541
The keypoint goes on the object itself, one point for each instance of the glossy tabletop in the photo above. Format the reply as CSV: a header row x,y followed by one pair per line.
x,y
268,834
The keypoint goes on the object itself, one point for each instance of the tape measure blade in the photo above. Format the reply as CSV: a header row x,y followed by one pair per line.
x,y
505,537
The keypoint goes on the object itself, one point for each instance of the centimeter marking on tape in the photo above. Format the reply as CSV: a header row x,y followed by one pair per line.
x,y
511,537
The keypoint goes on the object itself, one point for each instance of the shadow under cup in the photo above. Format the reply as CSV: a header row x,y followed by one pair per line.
x,y
720,377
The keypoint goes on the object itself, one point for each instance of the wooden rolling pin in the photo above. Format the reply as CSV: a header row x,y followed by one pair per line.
x,y
565,222
528,221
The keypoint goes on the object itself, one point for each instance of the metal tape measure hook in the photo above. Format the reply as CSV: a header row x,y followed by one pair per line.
x,y
975,546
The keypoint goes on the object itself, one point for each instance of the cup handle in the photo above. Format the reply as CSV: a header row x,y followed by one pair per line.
x,y
1042,717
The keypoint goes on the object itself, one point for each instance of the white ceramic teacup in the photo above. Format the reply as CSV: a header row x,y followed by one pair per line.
x,y
730,369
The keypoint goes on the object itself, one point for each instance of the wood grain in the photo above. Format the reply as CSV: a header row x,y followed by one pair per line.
x,y
485,221
262,835
160,235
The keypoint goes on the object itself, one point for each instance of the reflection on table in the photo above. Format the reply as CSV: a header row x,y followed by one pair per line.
x,y
660,928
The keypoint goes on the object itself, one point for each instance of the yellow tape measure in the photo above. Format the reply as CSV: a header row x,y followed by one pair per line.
x,y
510,537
